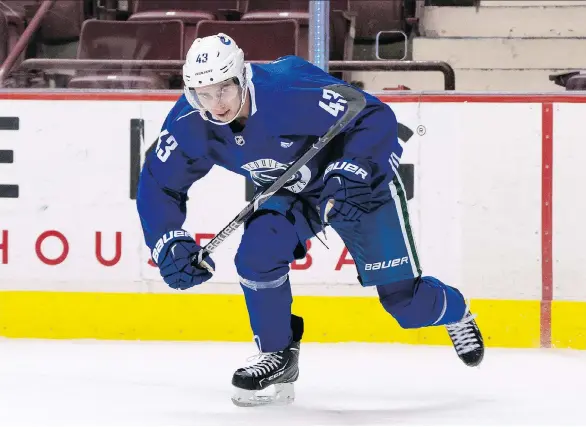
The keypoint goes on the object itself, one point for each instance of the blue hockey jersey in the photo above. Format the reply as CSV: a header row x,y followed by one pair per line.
x,y
289,110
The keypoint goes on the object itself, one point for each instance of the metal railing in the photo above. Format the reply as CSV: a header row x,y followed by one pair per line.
x,y
49,66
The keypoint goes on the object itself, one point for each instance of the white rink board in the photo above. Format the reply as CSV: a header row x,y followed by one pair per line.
x,y
476,211
569,202
478,201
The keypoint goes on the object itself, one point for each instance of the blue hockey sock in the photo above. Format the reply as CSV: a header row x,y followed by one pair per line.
x,y
269,309
425,301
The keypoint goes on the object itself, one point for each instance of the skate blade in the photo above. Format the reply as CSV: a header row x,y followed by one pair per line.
x,y
277,394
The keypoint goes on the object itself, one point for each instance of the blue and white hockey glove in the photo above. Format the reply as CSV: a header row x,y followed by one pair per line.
x,y
173,253
347,192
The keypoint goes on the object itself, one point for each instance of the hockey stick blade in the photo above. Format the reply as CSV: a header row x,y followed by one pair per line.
x,y
355,103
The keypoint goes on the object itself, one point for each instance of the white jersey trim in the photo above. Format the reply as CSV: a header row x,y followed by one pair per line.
x,y
185,115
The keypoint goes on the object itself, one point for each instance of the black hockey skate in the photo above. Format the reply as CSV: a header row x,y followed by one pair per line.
x,y
270,379
467,340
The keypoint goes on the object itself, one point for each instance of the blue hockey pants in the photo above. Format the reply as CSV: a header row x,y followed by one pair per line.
x,y
383,249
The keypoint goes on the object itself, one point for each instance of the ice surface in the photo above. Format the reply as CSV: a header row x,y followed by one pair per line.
x,y
153,383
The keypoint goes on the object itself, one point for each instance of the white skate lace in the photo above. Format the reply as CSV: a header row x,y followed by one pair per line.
x,y
266,363
463,336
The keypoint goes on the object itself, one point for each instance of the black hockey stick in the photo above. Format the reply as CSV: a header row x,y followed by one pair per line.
x,y
355,103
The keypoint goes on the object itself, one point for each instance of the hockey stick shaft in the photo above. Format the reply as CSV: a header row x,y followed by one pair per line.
x,y
355,103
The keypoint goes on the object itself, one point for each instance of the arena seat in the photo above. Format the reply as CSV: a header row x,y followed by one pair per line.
x,y
341,23
128,40
63,22
131,40
260,40
218,9
190,20
190,12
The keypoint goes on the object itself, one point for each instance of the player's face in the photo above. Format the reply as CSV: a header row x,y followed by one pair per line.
x,y
221,99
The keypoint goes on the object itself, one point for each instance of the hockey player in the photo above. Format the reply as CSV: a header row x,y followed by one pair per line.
x,y
254,120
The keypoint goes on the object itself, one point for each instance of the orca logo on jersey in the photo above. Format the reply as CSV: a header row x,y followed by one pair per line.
x,y
266,171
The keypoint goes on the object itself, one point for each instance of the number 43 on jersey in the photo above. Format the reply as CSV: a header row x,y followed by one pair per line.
x,y
165,145
336,102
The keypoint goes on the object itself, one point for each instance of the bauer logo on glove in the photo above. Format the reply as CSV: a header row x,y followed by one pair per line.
x,y
347,192
346,167
167,237
173,253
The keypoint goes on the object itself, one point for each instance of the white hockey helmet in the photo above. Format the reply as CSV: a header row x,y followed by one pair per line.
x,y
212,60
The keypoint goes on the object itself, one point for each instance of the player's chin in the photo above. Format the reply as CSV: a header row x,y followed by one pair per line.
x,y
227,116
